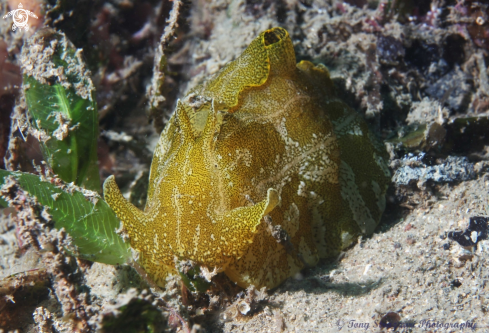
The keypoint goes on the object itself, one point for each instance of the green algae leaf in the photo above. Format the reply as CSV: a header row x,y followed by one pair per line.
x,y
3,203
193,281
90,222
59,96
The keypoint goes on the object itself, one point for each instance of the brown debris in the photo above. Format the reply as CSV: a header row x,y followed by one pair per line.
x,y
33,232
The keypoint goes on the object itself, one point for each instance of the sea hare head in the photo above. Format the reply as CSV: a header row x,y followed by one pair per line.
x,y
264,139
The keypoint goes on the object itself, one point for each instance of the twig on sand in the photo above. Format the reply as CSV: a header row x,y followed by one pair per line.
x,y
155,98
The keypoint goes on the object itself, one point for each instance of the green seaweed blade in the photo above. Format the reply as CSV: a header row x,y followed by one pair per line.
x,y
68,121
91,223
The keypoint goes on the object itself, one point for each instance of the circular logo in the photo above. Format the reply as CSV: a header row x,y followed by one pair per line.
x,y
20,18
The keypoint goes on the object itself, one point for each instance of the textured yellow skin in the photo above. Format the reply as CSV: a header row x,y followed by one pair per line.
x,y
263,137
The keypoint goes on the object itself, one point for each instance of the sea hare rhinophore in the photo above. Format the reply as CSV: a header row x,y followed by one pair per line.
x,y
263,147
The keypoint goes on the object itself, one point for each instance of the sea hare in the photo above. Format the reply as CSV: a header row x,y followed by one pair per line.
x,y
262,148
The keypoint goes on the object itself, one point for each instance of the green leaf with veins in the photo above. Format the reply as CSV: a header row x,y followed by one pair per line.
x,y
59,96
91,223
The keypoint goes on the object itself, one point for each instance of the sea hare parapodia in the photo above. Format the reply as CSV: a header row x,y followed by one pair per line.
x,y
264,136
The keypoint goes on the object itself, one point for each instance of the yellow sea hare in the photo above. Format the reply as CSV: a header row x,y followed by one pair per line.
x,y
264,145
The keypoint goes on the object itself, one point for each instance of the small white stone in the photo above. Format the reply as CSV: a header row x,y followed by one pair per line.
x,y
243,307
473,236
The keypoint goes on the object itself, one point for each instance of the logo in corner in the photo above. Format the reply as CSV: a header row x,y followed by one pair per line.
x,y
20,17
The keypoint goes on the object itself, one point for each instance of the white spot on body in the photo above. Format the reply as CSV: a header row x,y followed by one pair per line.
x,y
155,240
356,130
